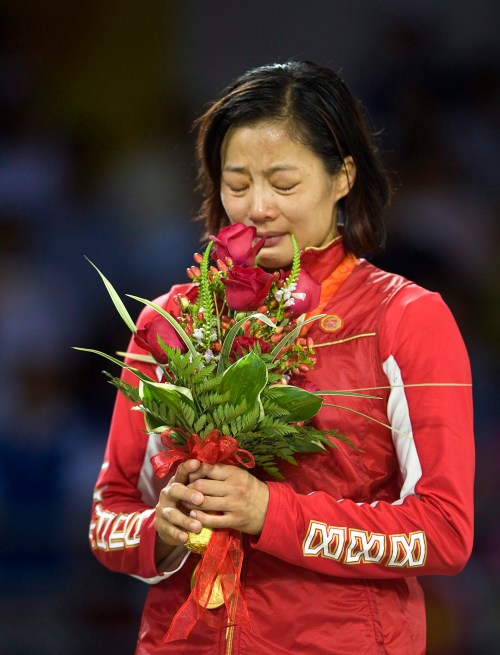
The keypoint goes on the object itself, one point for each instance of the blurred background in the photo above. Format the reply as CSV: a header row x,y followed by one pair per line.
x,y
96,105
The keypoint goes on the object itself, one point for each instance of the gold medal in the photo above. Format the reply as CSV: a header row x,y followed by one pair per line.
x,y
198,541
216,597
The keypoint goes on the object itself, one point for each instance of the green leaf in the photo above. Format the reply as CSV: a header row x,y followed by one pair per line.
x,y
244,380
207,429
177,399
147,359
122,310
300,404
133,370
156,415
182,334
200,423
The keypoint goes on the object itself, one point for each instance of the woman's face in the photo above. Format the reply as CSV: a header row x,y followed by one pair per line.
x,y
281,187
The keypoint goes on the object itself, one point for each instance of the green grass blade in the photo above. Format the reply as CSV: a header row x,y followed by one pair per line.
x,y
386,425
133,370
345,393
147,359
182,334
117,301
291,336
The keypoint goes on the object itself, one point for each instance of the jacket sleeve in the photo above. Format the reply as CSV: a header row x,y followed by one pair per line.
x,y
122,534
428,530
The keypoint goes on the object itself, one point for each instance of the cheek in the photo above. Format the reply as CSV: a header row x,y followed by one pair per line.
x,y
234,208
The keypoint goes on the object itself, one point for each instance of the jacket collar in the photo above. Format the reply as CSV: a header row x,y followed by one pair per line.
x,y
320,262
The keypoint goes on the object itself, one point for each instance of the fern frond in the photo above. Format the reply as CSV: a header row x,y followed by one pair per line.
x,y
210,400
207,429
206,385
243,423
200,423
225,413
128,390
188,414
273,409
270,468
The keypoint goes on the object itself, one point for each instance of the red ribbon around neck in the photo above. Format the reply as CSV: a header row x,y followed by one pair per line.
x,y
223,557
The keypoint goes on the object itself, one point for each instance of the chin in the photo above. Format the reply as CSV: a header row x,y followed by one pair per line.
x,y
273,262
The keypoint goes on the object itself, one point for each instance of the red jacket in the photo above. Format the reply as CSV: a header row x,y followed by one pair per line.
x,y
345,537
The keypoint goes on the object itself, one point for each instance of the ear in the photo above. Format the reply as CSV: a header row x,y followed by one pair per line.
x,y
345,177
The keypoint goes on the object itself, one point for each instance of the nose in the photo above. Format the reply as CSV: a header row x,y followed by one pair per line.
x,y
261,208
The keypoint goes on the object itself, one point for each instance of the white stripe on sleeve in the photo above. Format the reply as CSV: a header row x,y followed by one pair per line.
x,y
399,418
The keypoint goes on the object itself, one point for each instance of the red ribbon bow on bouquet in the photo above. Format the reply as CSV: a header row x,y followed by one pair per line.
x,y
221,563
214,448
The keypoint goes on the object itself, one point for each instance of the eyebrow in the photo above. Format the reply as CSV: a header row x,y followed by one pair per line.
x,y
271,169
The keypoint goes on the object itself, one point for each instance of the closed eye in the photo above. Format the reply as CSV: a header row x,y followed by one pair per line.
x,y
283,189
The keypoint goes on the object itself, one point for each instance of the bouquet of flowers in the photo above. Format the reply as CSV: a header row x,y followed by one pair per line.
x,y
228,360
226,365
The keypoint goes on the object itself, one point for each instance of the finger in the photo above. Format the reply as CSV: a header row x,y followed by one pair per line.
x,y
211,487
176,492
171,517
185,469
218,471
214,504
213,520
197,475
172,526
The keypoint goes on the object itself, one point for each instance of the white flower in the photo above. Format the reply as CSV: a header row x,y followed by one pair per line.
x,y
209,355
198,334
287,294
283,294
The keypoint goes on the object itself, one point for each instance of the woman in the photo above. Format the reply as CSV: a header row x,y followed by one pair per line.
x,y
333,553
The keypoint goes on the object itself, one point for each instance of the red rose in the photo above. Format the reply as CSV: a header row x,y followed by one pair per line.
x,y
147,338
246,288
235,242
243,345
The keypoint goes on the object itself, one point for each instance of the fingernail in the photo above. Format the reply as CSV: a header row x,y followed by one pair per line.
x,y
194,525
196,498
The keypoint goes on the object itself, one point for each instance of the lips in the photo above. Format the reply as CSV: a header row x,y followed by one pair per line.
x,y
271,238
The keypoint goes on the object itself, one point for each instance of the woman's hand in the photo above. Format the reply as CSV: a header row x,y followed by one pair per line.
x,y
172,520
240,497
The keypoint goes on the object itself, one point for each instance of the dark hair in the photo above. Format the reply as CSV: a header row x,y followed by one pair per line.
x,y
319,112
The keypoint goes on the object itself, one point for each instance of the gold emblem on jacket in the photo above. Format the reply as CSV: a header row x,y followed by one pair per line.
x,y
330,323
